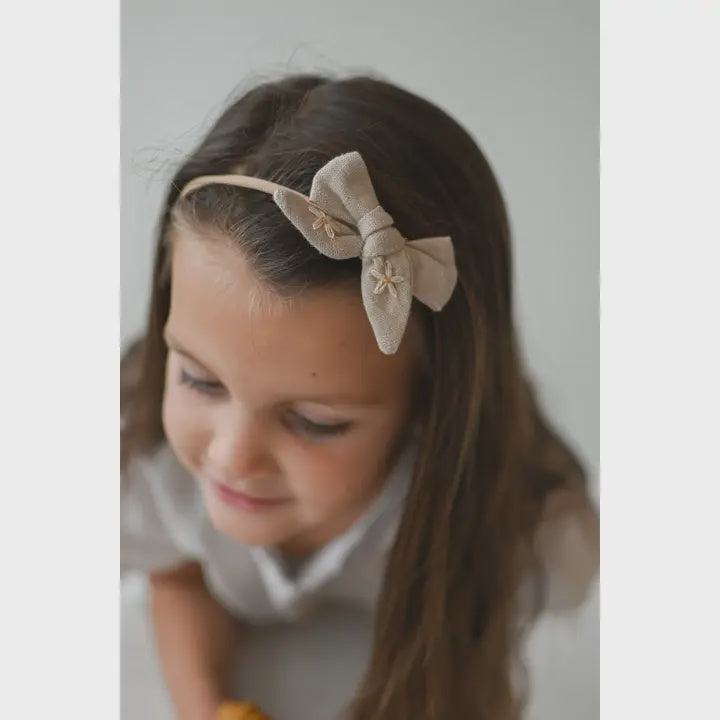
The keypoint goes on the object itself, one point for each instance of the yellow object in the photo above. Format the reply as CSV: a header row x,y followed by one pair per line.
x,y
234,710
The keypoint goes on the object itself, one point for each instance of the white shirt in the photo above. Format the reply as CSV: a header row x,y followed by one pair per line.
x,y
164,524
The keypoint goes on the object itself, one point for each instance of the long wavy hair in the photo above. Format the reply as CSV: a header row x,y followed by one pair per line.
x,y
447,629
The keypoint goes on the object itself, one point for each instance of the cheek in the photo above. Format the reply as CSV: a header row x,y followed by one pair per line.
x,y
185,427
341,476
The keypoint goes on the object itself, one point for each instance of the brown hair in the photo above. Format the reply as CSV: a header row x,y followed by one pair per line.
x,y
447,630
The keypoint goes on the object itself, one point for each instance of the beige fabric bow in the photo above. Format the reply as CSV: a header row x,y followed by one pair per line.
x,y
342,219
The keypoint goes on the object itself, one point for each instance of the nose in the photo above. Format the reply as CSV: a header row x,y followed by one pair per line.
x,y
241,450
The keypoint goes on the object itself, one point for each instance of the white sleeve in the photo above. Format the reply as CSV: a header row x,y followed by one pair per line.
x,y
159,522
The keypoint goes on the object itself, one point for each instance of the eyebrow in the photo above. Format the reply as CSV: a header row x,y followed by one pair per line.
x,y
329,399
173,344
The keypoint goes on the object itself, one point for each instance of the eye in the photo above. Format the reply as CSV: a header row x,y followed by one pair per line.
x,y
304,426
206,387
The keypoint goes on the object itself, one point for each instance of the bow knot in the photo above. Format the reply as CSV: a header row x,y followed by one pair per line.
x,y
383,243
373,221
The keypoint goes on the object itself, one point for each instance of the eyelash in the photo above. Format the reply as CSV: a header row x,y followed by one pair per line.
x,y
206,387
298,423
304,426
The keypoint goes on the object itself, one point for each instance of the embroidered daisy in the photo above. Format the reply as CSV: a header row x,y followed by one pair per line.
x,y
383,273
323,220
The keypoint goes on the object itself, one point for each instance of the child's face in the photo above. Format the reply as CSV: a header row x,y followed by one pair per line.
x,y
289,401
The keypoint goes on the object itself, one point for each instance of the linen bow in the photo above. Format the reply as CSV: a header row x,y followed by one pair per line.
x,y
342,219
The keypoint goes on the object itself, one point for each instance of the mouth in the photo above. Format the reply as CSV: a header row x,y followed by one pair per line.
x,y
244,501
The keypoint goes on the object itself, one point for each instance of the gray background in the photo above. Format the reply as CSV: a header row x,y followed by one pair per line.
x,y
523,77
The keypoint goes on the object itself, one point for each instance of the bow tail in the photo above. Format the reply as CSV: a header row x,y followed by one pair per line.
x,y
387,302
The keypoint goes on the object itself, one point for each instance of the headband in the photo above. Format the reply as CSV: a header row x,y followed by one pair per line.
x,y
342,219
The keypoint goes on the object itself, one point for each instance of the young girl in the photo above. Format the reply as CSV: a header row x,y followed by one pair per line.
x,y
329,405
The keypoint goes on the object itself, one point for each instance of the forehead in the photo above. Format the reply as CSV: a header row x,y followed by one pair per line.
x,y
317,342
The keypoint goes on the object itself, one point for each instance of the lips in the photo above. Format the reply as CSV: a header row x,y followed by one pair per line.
x,y
246,502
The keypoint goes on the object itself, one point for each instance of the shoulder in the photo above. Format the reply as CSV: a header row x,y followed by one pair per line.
x,y
568,542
